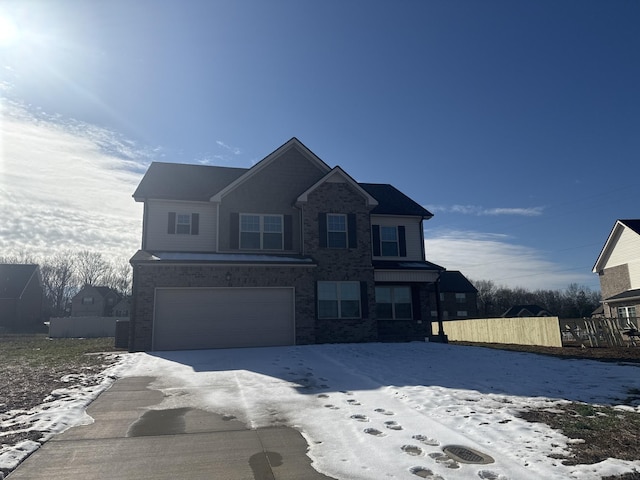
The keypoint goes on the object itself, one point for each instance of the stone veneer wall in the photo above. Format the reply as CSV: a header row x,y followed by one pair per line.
x,y
615,280
147,277
346,264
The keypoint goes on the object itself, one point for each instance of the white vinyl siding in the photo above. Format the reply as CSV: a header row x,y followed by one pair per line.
x,y
157,237
413,235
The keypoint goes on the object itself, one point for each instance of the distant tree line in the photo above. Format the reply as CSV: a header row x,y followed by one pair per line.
x,y
65,273
576,301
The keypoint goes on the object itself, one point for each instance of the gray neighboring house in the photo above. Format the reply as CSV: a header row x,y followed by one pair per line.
x,y
290,251
618,268
458,297
20,298
94,302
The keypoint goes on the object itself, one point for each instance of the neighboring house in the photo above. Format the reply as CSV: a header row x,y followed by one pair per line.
x,y
289,251
526,311
458,297
122,308
20,298
618,267
94,302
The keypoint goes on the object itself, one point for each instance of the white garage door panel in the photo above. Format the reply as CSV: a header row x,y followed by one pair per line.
x,y
188,318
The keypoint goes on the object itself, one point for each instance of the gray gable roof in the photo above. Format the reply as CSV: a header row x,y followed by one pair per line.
x,y
14,278
454,281
179,181
392,201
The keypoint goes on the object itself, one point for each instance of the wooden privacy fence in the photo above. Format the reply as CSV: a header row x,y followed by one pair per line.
x,y
541,331
600,332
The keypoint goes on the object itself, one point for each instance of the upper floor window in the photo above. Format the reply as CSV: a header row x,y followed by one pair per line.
x,y
338,299
183,223
461,297
87,300
337,230
389,241
261,232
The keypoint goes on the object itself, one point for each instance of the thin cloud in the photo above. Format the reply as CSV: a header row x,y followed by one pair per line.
x,y
483,211
483,256
67,185
234,150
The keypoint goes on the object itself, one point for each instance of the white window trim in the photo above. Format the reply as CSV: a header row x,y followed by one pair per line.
x,y
261,231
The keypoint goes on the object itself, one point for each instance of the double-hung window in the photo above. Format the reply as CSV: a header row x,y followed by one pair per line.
x,y
336,230
183,223
339,300
393,302
461,297
389,241
261,232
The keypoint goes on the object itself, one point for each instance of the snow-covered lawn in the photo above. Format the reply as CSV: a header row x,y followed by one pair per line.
x,y
373,411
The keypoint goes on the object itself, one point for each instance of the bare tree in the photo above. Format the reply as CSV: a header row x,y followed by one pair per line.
x,y
119,277
57,278
90,267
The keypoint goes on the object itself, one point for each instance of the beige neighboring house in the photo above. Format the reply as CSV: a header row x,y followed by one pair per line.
x,y
618,267
94,302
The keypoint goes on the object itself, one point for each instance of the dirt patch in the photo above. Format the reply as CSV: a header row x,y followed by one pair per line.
x,y
600,432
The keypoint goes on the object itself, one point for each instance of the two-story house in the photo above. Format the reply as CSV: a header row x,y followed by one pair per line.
x,y
618,268
93,301
289,251
458,297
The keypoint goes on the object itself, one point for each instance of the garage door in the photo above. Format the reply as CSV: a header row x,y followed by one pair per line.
x,y
193,318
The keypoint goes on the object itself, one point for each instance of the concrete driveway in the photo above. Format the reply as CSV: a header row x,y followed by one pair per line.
x,y
128,440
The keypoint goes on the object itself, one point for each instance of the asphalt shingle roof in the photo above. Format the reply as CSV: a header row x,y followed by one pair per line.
x,y
392,201
179,181
13,279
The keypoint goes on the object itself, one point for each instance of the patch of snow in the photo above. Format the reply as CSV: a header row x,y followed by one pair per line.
x,y
371,411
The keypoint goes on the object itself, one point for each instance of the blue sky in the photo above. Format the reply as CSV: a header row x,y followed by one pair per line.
x,y
515,122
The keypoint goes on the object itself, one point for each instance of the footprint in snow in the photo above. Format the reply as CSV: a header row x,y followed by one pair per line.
x,y
346,392
323,395
360,418
383,411
426,440
353,402
393,425
489,475
374,431
412,450
332,407
423,472
444,460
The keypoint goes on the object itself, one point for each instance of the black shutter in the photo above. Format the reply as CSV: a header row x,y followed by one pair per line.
x,y
351,231
402,241
171,226
317,301
195,223
234,231
375,231
415,302
288,232
364,300
322,229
